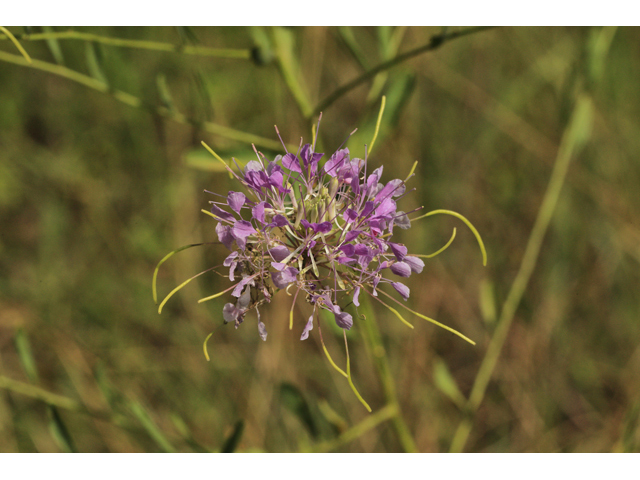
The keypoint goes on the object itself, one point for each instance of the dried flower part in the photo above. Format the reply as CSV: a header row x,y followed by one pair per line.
x,y
324,230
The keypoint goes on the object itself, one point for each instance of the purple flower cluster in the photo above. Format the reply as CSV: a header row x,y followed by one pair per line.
x,y
321,228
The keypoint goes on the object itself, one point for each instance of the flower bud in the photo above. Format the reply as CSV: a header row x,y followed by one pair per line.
x,y
299,215
331,210
292,196
313,214
333,187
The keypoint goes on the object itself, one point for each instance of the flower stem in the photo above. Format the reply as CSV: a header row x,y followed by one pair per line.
x,y
239,53
373,341
436,41
137,102
574,137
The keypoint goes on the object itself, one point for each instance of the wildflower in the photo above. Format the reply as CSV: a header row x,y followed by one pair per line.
x,y
317,226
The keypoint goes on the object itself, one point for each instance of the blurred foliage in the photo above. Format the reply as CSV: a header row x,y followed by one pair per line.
x,y
102,174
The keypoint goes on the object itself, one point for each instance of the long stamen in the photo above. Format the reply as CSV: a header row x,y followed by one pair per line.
x,y
442,249
435,322
353,387
467,223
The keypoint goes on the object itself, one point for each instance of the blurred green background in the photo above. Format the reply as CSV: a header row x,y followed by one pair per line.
x,y
102,174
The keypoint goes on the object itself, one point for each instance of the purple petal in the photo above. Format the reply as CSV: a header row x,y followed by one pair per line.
x,y
276,179
262,330
398,187
323,227
307,329
224,235
336,161
356,294
376,226
415,263
361,249
390,189
399,250
253,166
343,319
402,220
279,266
273,166
257,212
244,296
376,280
350,215
401,289
365,260
230,259
373,179
310,159
280,221
230,313
305,223
290,274
241,230
284,278
345,260
279,253
401,268
236,200
368,208
352,235
348,249
232,269
291,162
386,208
256,179
218,212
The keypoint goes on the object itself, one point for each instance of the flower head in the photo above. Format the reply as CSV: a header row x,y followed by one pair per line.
x,y
323,229
318,226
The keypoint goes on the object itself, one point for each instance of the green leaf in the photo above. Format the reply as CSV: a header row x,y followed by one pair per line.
x,y
293,400
60,432
184,430
111,395
631,432
25,355
284,41
232,441
150,426
488,302
93,54
163,92
349,40
187,35
200,159
398,92
54,46
445,382
262,52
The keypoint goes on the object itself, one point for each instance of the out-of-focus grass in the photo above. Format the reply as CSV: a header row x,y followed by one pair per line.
x,y
93,193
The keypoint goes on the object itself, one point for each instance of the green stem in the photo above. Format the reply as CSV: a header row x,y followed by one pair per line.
x,y
436,42
288,66
136,102
373,340
141,44
372,421
574,137
41,394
